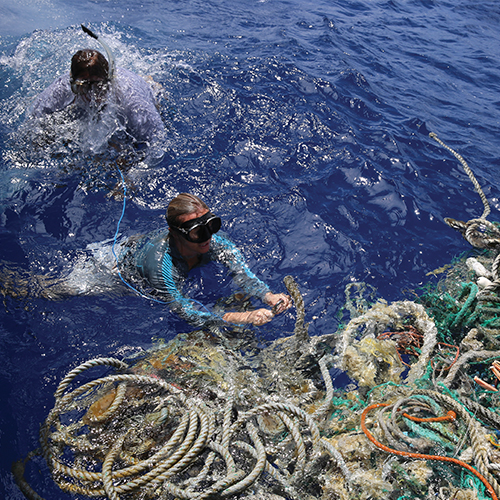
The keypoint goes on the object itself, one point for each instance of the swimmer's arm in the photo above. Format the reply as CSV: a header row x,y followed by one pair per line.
x,y
137,101
258,317
279,302
55,97
244,278
168,283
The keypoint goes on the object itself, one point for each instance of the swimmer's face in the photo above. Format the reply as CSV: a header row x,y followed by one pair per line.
x,y
89,87
182,243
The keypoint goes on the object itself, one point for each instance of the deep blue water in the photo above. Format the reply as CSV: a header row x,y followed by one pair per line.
x,y
304,124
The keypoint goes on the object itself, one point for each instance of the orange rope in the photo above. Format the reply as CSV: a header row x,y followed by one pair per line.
x,y
456,354
421,455
451,415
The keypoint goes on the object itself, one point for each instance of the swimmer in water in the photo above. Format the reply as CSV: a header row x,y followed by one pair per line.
x,y
92,86
157,265
163,259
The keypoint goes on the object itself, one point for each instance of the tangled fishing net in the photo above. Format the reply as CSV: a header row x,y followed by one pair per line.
x,y
196,418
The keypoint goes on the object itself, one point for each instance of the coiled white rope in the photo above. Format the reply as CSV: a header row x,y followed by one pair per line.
x,y
195,438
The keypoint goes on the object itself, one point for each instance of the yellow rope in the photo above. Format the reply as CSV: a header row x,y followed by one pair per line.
x,y
469,172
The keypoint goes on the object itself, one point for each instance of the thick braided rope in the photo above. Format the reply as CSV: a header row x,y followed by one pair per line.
x,y
258,468
222,484
429,330
119,397
327,403
67,399
495,271
194,481
481,411
464,359
177,491
416,442
477,238
367,320
299,442
233,475
226,455
107,479
18,472
288,408
397,311
85,366
183,456
226,423
172,464
272,471
300,329
189,493
338,457
384,426
83,475
469,172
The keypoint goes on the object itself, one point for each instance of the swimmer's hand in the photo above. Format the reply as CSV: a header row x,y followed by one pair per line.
x,y
278,301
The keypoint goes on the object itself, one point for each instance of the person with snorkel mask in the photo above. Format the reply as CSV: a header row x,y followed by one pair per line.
x,y
93,85
160,262
164,266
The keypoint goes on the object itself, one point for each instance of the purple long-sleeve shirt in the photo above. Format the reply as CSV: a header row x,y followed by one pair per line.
x,y
131,95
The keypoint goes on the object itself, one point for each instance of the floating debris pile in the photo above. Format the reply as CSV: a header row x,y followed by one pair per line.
x,y
200,418
197,418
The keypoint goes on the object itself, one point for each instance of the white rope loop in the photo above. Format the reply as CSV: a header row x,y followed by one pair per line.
x,y
85,366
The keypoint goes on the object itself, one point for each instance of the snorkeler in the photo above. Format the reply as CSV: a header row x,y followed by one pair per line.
x,y
156,265
162,260
94,86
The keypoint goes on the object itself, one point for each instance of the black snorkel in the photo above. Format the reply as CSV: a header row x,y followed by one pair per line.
x,y
111,59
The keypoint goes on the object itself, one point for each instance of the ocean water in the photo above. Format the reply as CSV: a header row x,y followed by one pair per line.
x,y
303,124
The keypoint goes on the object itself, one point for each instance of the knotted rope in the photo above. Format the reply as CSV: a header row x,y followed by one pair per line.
x,y
480,233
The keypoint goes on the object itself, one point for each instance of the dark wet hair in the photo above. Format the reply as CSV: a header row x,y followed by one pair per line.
x,y
91,62
183,204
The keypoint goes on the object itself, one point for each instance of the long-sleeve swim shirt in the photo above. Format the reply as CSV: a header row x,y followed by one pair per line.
x,y
155,259
131,95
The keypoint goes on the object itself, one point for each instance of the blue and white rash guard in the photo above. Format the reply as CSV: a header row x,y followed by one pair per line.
x,y
156,260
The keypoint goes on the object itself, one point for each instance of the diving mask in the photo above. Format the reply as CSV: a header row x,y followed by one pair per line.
x,y
200,229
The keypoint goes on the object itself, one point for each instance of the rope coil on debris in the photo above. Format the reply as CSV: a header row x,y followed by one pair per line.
x,y
472,230
153,439
195,440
